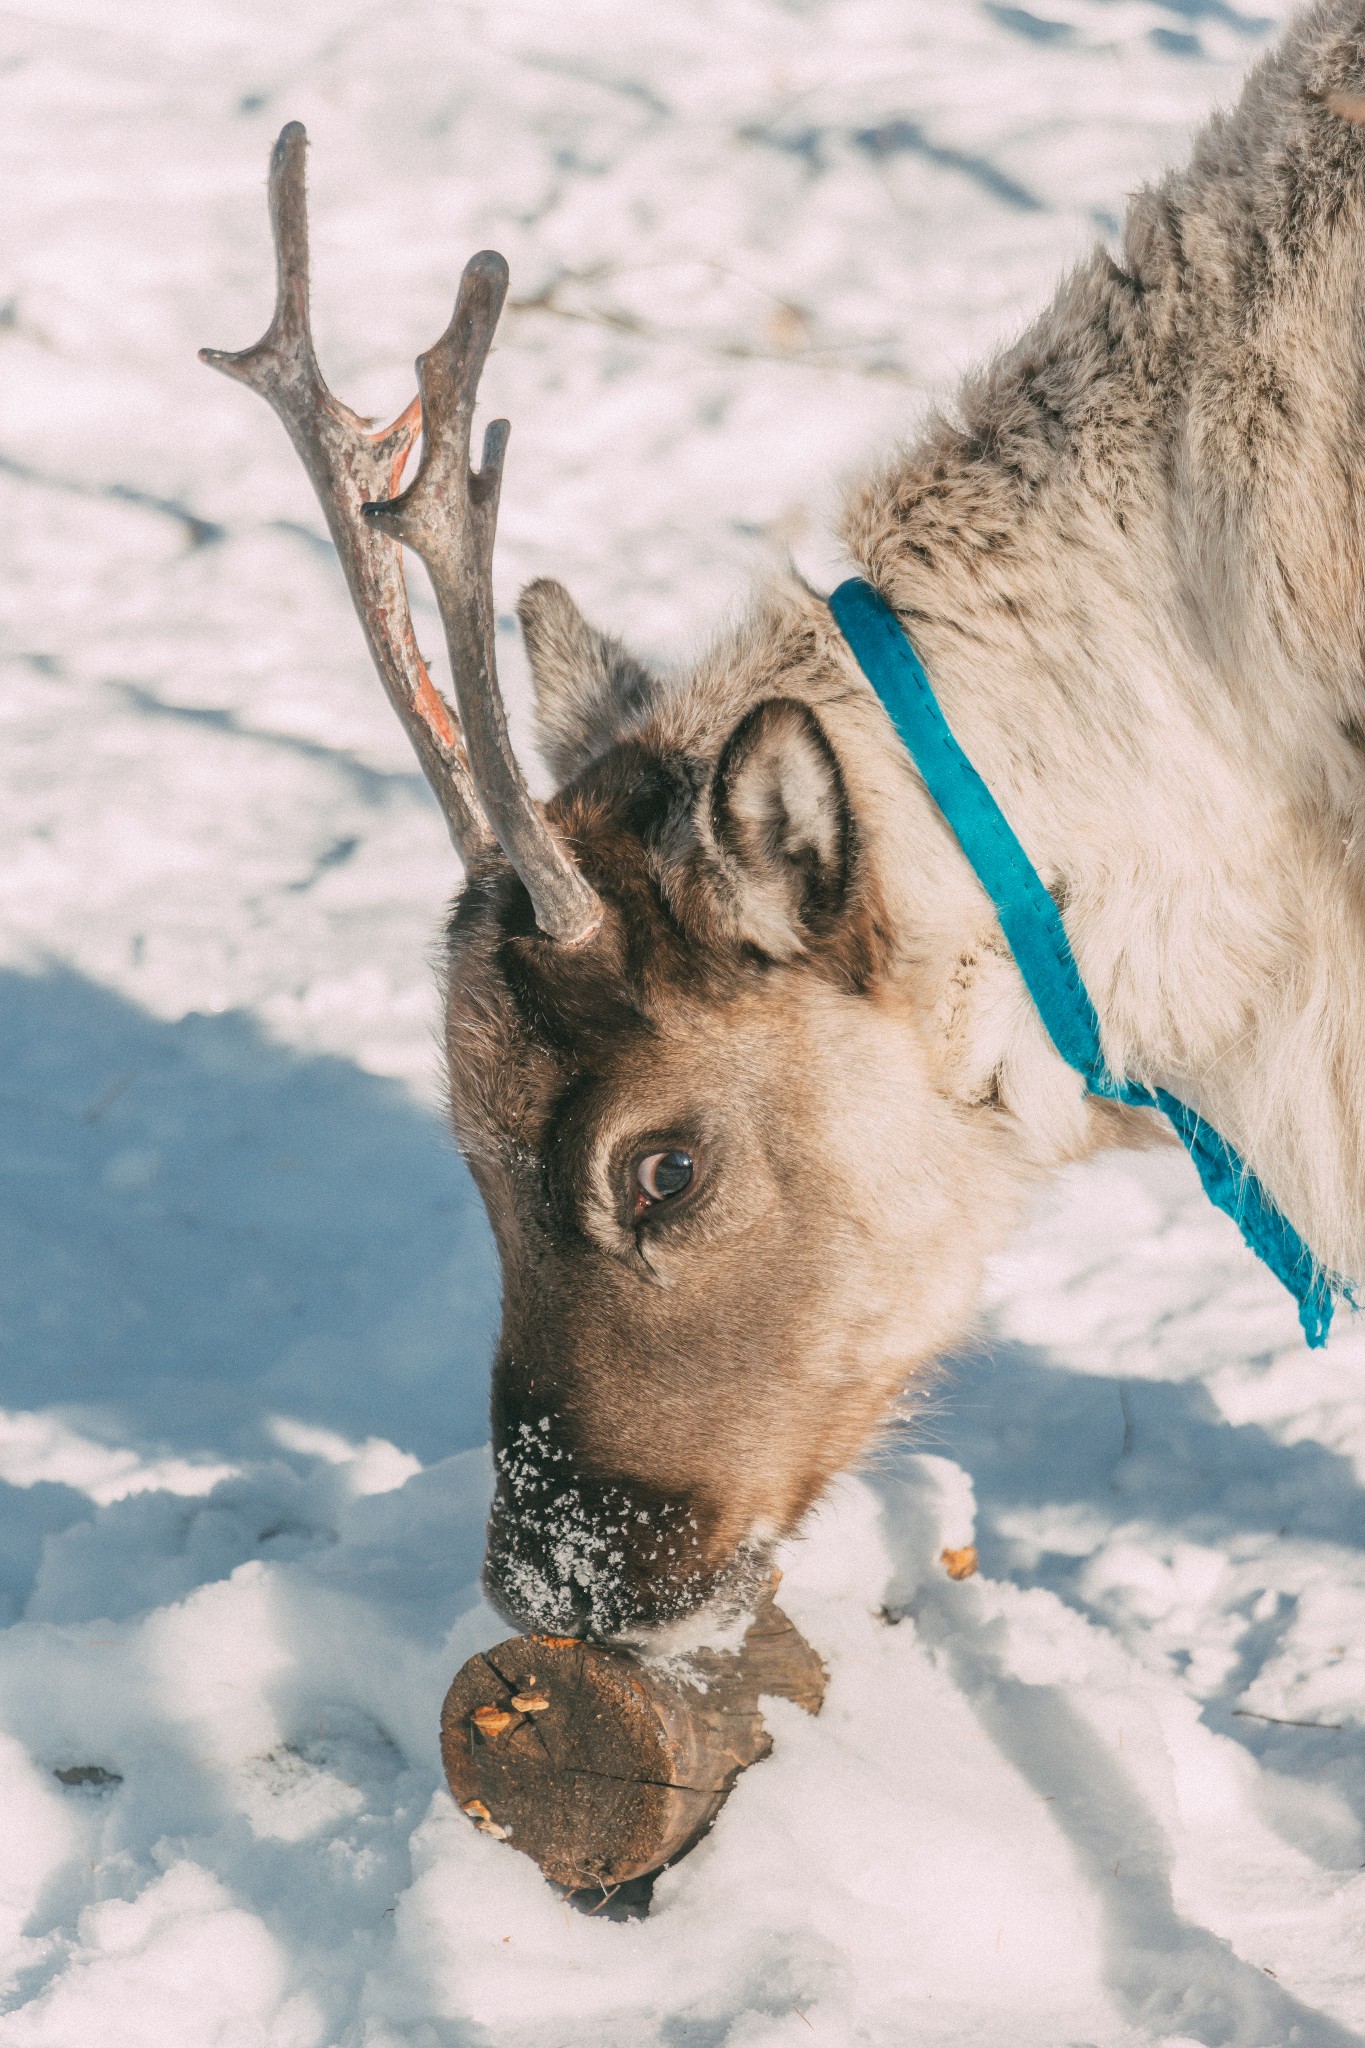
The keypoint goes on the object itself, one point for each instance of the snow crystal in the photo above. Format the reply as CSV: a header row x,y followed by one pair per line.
x,y
1108,1789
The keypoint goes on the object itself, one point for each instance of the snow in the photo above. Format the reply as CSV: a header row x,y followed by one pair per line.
x,y
1107,1791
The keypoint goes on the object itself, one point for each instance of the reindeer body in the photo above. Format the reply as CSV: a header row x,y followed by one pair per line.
x,y
1135,569
1134,566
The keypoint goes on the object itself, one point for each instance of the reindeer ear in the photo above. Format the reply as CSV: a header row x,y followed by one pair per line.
x,y
780,811
588,688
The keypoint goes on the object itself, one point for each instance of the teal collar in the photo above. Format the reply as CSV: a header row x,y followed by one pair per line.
x,y
1033,926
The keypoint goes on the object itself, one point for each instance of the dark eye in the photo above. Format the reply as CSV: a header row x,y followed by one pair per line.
x,y
661,1175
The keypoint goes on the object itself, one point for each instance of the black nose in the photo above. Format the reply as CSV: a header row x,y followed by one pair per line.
x,y
533,1605
553,1568
546,1587
577,1553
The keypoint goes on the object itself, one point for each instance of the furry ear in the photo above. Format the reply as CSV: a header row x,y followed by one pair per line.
x,y
588,688
780,812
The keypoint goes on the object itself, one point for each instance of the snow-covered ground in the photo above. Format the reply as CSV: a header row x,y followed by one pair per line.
x,y
1109,1791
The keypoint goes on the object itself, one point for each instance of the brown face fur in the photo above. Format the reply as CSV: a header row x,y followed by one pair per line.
x,y
672,1390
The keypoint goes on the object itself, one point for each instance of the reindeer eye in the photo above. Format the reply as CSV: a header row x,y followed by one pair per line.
x,y
660,1175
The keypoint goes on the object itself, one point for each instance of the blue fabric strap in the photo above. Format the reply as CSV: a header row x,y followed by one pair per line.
x,y
1033,926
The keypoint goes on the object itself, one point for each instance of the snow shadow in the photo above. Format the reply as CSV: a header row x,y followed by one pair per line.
x,y
1165,1971
1035,1436
200,1230
1053,1449
1078,1450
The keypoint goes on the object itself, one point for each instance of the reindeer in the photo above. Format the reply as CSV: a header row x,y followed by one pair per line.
x,y
738,1056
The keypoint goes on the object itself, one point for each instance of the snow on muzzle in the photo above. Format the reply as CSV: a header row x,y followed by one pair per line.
x,y
573,1553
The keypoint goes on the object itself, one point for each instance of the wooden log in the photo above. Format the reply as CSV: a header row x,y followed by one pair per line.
x,y
603,1767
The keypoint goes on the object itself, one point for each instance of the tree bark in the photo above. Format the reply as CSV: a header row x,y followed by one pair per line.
x,y
602,1767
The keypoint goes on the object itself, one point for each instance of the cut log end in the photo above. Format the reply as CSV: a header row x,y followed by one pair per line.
x,y
604,1768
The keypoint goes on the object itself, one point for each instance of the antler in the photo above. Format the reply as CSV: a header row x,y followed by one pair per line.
x,y
349,467
448,515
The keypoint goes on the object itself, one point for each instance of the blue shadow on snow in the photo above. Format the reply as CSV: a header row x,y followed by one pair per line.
x,y
199,1228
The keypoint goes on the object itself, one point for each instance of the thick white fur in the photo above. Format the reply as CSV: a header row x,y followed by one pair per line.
x,y
1134,565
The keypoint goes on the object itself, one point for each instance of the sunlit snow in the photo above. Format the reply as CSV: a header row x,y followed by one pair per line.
x,y
1108,1791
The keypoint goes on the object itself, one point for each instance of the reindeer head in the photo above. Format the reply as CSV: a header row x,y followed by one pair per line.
x,y
726,1237
734,1208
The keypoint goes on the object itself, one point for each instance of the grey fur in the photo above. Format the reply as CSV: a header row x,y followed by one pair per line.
x,y
589,689
1133,562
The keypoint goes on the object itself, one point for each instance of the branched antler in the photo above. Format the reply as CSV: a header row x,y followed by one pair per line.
x,y
448,516
348,465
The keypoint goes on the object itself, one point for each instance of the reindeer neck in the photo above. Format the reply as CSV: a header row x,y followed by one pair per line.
x,y
1176,770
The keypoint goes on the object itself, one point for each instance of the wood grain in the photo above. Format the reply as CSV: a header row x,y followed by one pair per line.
x,y
602,1767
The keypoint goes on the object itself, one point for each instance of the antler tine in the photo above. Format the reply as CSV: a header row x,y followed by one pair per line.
x,y
348,465
448,515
